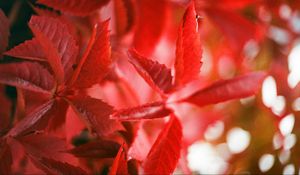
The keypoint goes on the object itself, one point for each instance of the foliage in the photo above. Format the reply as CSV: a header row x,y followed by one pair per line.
x,y
129,86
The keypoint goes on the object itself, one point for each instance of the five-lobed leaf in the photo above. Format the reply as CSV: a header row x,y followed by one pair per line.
x,y
165,152
158,76
224,90
96,114
188,49
146,111
26,75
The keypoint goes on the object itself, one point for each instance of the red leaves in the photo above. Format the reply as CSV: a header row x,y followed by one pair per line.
x,y
96,114
31,76
188,49
70,77
149,25
146,111
239,87
96,149
4,32
156,75
58,45
188,58
96,61
75,7
164,154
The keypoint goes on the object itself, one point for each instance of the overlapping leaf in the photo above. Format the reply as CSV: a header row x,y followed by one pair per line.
x,y
165,152
57,115
156,75
51,166
96,61
4,32
31,76
75,7
120,163
188,49
152,15
41,145
146,111
96,114
238,87
33,121
58,45
30,49
96,149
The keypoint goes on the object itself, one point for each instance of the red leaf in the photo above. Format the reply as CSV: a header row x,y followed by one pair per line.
x,y
156,75
54,167
58,45
96,61
147,111
75,7
225,4
31,76
151,20
57,115
30,49
165,152
120,163
40,145
188,49
4,32
33,121
96,149
5,157
124,13
224,90
96,114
